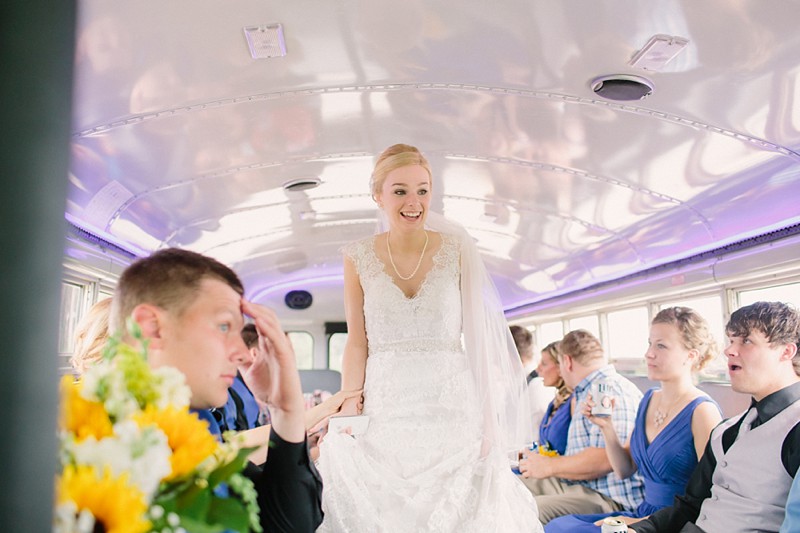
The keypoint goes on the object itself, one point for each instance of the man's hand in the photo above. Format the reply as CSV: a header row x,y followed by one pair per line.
x,y
535,466
273,376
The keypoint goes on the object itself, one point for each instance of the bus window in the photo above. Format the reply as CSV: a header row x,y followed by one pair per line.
x,y
710,308
788,293
590,323
336,350
303,345
548,332
70,315
628,331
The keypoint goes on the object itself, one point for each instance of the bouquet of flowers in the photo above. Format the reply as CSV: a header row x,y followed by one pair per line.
x,y
135,459
547,450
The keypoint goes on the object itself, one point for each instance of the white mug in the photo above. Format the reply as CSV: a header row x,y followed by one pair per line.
x,y
601,396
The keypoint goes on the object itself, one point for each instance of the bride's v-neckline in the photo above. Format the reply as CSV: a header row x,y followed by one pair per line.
x,y
384,271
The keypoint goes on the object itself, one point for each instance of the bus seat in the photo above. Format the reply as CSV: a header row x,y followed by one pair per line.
x,y
730,401
320,379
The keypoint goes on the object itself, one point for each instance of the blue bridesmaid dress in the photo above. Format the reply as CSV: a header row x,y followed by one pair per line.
x,y
665,464
554,430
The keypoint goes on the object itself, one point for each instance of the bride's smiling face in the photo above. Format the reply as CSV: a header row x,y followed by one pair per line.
x,y
405,196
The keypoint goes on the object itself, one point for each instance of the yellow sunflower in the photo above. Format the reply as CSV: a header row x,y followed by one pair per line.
x,y
187,435
115,504
81,417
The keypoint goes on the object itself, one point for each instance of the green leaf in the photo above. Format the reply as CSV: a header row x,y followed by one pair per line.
x,y
230,513
194,502
200,526
225,471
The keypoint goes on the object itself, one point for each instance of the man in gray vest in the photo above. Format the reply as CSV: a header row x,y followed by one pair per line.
x,y
743,479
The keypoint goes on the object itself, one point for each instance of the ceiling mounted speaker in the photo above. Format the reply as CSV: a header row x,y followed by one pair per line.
x,y
298,299
622,87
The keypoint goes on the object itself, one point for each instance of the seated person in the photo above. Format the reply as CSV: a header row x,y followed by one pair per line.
x,y
581,481
90,337
791,521
552,431
538,394
190,310
673,422
523,340
742,481
242,411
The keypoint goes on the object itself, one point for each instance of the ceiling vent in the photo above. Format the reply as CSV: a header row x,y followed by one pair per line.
x,y
301,184
622,87
265,42
298,299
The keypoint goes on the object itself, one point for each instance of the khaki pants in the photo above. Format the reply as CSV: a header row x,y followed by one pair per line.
x,y
555,498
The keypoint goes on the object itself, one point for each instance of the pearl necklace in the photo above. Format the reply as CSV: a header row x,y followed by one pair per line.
x,y
391,260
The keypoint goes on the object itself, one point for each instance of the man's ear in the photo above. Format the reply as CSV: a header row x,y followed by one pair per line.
x,y
567,360
789,351
150,320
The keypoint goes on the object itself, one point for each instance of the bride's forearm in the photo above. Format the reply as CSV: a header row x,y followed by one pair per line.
x,y
354,365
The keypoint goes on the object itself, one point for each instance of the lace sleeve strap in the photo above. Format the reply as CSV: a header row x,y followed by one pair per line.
x,y
356,251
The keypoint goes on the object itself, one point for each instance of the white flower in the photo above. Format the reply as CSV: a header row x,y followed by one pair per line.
x,y
142,452
172,388
68,520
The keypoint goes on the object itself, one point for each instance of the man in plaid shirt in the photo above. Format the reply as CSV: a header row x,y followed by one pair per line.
x,y
582,481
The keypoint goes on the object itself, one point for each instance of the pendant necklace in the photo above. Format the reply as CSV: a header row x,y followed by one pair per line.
x,y
391,260
660,416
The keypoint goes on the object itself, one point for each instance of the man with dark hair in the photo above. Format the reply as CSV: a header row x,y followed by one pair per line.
x,y
539,395
242,411
190,310
523,339
743,479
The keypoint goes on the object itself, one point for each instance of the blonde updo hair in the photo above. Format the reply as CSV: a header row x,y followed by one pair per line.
x,y
91,336
694,331
394,157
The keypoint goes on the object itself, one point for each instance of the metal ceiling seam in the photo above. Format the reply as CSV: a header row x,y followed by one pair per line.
x,y
588,175
200,222
669,117
227,172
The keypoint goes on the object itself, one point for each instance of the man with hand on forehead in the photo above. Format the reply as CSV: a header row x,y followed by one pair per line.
x,y
190,310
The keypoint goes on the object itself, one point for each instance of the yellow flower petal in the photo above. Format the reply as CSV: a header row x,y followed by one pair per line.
x,y
81,417
115,504
187,435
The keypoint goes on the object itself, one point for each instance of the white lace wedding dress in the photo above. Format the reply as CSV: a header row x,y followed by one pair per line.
x,y
418,467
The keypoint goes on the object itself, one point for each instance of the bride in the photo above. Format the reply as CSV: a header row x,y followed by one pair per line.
x,y
443,414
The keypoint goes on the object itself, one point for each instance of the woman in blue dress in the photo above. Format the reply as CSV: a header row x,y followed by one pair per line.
x,y
555,424
673,422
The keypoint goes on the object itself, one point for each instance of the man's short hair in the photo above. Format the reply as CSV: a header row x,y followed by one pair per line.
x,y
523,338
581,346
169,279
250,335
779,322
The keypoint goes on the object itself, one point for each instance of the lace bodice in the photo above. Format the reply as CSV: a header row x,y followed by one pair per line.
x,y
430,320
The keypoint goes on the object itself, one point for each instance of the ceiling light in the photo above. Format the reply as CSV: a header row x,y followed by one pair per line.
x,y
622,87
265,41
658,51
301,184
